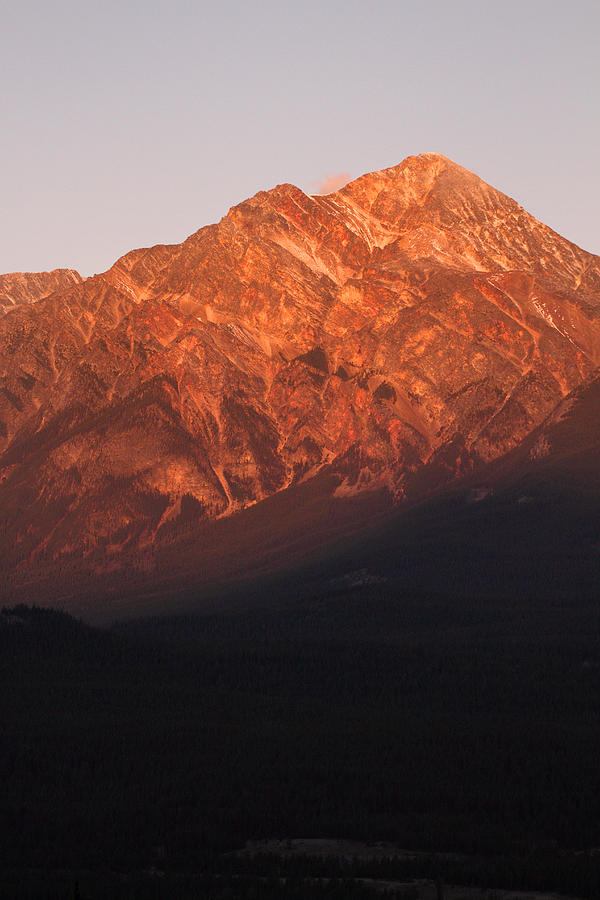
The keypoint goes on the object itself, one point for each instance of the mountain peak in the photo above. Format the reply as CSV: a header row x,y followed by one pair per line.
x,y
435,162
417,180
384,338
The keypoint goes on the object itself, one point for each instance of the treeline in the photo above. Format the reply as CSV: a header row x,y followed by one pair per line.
x,y
182,886
574,873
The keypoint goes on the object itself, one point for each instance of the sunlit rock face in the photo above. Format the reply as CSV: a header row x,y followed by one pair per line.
x,y
28,287
415,321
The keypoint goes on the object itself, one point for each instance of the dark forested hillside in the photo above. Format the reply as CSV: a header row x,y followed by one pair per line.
x,y
469,728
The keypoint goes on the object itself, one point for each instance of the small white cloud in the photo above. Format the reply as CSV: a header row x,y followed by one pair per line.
x,y
331,183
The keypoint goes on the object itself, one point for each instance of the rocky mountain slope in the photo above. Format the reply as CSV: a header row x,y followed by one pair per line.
x,y
389,337
28,287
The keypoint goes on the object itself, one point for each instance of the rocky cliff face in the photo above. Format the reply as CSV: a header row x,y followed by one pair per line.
x,y
28,287
393,335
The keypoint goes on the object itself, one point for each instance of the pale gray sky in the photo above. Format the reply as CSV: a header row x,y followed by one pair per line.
x,y
129,123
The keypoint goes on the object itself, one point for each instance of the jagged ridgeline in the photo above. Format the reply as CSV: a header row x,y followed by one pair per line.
x,y
339,352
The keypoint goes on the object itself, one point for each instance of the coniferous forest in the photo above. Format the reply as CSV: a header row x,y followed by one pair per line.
x,y
137,760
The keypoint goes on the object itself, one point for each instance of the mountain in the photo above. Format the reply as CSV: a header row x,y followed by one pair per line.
x,y
281,378
28,287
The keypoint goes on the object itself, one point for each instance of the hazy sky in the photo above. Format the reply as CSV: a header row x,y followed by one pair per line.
x,y
130,123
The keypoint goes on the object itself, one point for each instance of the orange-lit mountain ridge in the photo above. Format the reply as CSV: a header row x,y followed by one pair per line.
x,y
391,336
28,287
